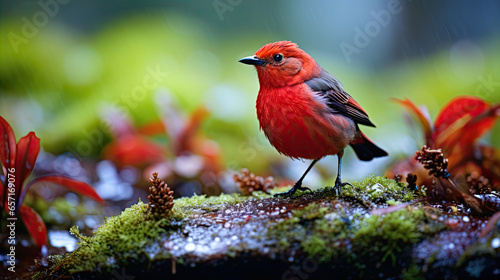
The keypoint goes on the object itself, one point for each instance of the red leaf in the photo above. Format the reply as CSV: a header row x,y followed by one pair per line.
x,y
28,148
134,150
423,119
458,108
460,124
153,128
479,125
456,114
211,154
184,140
72,184
34,224
7,144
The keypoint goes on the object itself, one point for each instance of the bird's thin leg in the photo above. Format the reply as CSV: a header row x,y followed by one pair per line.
x,y
298,184
338,181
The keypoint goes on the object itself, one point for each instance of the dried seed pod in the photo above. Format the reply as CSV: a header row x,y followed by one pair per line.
x,y
248,182
411,179
478,184
161,199
434,161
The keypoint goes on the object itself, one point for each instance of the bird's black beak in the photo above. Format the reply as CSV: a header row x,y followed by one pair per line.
x,y
253,60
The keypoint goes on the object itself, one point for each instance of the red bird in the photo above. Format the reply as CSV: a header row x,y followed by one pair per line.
x,y
304,110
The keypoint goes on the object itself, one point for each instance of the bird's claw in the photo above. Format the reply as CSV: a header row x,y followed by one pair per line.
x,y
339,184
292,191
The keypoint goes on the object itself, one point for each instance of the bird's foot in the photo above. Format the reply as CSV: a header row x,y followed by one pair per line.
x,y
338,184
292,191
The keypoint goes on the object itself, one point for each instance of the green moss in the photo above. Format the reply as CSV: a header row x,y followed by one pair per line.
x,y
261,194
124,239
121,240
332,228
52,261
389,234
315,246
204,201
183,207
316,228
378,189
413,272
311,211
323,232
483,247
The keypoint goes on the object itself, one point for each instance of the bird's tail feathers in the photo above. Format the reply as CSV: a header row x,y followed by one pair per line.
x,y
365,149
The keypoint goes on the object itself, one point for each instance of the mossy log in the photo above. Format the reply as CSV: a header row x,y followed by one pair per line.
x,y
377,229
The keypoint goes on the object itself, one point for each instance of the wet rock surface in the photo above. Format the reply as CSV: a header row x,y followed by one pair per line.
x,y
312,236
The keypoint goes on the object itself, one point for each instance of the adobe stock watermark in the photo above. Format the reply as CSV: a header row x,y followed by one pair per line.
x,y
11,218
122,276
31,26
303,271
249,149
93,138
224,6
363,36
486,86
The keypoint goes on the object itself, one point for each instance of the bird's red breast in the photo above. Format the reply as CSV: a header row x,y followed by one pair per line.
x,y
299,126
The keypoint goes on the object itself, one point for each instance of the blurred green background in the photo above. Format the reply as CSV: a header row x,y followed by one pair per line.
x,y
63,63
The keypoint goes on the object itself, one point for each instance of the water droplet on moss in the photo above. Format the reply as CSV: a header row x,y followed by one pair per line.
x,y
376,188
190,247
495,243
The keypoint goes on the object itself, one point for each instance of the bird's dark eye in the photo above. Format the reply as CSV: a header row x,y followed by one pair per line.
x,y
278,57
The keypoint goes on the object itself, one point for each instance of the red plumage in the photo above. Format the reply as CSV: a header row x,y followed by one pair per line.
x,y
304,111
